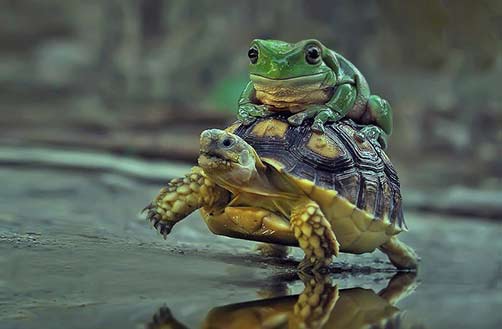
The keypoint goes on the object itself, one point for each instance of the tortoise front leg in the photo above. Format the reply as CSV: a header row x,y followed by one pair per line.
x,y
164,319
181,197
314,234
315,304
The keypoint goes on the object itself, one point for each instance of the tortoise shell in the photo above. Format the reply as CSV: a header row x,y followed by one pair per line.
x,y
358,169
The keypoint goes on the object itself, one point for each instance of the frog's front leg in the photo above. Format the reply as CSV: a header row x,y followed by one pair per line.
x,y
248,110
333,110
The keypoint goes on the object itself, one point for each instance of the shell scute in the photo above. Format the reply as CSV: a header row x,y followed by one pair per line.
x,y
359,171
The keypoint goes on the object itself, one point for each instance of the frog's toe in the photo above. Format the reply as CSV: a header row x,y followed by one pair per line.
x,y
318,126
371,132
375,134
259,111
297,119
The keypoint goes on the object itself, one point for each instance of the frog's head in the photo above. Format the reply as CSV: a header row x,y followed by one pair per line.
x,y
306,63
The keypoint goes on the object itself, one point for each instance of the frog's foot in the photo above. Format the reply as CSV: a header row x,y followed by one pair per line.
x,y
321,114
373,133
315,236
273,250
249,112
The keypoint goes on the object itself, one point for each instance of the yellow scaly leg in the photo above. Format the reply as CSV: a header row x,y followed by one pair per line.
x,y
314,234
181,197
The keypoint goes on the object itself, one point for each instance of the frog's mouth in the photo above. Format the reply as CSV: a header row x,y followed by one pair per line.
x,y
313,81
293,93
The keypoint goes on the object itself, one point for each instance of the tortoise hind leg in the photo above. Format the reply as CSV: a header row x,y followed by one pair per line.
x,y
314,234
400,255
399,287
273,250
250,223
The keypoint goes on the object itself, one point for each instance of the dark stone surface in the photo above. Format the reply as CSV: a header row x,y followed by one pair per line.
x,y
75,253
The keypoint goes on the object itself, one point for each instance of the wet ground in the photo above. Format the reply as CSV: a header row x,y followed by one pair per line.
x,y
74,253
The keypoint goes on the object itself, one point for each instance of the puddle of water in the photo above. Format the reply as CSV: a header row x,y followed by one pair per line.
x,y
81,260
321,304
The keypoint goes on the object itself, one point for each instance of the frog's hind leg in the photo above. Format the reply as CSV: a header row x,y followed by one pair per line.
x,y
400,255
380,113
374,133
379,117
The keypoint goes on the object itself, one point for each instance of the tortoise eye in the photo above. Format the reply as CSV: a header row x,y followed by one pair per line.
x,y
312,54
227,142
253,54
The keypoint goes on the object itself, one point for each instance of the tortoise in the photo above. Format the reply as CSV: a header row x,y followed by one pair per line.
x,y
291,186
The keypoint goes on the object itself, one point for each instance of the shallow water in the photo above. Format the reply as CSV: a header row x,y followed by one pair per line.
x,y
76,254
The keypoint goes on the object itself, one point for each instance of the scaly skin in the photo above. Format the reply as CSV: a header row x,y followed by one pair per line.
x,y
400,255
245,197
284,79
314,234
315,304
225,161
181,197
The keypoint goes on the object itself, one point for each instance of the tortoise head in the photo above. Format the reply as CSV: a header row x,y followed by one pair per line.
x,y
227,158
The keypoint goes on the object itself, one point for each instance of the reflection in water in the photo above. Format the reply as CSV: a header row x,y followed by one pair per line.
x,y
320,305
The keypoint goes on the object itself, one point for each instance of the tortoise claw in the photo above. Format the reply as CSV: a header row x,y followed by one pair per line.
x,y
148,207
163,227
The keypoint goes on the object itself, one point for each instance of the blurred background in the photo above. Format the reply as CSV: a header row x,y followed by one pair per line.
x,y
102,101
143,78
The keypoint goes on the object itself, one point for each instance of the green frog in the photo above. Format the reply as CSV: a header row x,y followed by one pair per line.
x,y
312,82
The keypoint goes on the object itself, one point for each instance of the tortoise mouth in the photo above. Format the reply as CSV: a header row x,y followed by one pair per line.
x,y
210,160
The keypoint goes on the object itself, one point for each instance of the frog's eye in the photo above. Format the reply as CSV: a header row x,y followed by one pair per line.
x,y
312,54
253,54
